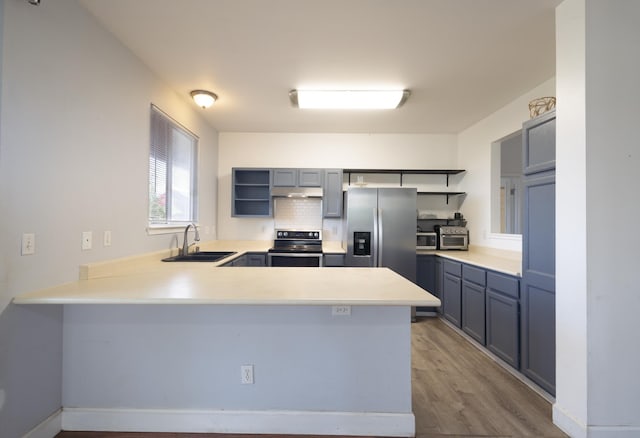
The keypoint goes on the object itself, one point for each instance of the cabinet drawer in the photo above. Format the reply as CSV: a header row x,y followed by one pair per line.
x,y
453,268
504,284
474,275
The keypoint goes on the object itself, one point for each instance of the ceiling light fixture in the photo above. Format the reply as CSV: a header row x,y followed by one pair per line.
x,y
348,99
203,98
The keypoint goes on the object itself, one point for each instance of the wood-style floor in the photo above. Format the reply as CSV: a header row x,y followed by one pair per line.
x,y
457,392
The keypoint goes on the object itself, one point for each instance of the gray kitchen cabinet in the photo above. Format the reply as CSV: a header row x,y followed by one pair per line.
x,y
248,259
239,261
310,177
502,317
439,281
426,273
332,193
256,259
284,177
539,143
538,252
297,177
426,277
452,292
333,260
251,192
473,302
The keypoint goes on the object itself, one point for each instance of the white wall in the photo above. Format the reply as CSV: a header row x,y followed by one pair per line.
x,y
571,211
73,157
376,151
75,143
474,155
598,393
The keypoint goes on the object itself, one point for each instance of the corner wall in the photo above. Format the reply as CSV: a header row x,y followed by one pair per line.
x,y
598,393
74,144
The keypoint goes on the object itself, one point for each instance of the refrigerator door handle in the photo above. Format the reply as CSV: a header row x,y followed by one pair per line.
x,y
380,235
374,243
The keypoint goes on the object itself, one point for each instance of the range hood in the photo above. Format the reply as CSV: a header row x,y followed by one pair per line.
x,y
296,192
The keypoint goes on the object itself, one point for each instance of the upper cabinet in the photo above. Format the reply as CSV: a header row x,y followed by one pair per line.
x,y
310,177
285,177
297,177
332,193
251,192
539,143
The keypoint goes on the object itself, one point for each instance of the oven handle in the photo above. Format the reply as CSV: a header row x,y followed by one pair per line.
x,y
294,254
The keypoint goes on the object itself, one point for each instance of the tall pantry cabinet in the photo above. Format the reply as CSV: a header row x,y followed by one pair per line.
x,y
538,357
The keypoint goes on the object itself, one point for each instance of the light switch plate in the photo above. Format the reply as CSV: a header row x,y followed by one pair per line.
x,y
106,240
28,244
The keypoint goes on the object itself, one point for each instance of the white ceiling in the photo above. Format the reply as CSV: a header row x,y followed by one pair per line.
x,y
461,59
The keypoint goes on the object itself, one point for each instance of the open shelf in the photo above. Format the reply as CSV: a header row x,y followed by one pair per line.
x,y
403,172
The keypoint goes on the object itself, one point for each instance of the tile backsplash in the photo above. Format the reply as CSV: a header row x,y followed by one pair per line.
x,y
300,213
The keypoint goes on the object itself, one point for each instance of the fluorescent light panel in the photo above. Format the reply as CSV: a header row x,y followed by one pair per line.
x,y
349,99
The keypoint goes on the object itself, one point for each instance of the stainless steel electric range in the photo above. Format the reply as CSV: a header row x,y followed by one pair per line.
x,y
301,248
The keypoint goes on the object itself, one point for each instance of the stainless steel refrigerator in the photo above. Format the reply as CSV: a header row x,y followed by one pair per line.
x,y
381,229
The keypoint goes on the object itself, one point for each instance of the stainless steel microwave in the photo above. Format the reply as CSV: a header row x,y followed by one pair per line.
x,y
426,241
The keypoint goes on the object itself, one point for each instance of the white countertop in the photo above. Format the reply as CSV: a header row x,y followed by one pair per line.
x,y
202,283
145,279
507,262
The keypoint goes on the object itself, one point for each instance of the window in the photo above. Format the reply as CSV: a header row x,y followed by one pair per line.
x,y
172,172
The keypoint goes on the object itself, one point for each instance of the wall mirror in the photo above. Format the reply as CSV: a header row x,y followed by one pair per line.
x,y
506,184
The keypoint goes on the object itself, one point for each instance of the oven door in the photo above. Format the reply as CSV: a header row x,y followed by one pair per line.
x,y
294,259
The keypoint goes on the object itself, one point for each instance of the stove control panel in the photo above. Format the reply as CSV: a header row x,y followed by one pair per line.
x,y
299,234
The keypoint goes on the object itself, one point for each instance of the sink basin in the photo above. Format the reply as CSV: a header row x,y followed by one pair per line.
x,y
202,256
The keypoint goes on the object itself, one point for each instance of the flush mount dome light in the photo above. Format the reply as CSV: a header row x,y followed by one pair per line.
x,y
203,98
348,99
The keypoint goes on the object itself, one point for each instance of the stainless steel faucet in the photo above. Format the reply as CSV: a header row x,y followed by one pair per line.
x,y
185,242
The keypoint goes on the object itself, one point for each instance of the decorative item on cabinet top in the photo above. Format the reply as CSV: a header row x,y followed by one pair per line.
x,y
541,105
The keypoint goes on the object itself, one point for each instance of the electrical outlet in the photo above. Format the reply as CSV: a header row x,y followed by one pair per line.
x,y
246,374
28,244
87,240
106,241
341,310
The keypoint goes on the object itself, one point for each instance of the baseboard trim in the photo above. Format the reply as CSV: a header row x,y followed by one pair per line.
x,y
223,421
577,429
567,423
48,428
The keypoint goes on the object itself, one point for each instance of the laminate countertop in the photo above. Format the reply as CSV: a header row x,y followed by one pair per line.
x,y
147,280
507,262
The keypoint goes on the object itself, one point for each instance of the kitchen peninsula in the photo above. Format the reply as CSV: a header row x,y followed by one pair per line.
x,y
152,346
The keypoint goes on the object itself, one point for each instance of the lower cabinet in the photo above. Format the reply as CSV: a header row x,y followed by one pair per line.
x,y
439,283
473,302
452,292
426,277
503,317
248,259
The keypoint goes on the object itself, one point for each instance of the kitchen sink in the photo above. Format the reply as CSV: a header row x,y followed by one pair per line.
x,y
202,256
